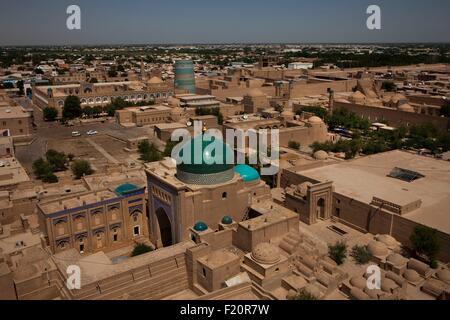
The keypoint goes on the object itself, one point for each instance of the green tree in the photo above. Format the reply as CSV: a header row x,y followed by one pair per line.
x,y
72,108
81,168
305,295
169,147
43,171
149,152
294,145
57,160
20,84
445,110
93,80
50,113
97,111
87,111
112,72
388,86
338,252
141,249
361,254
426,241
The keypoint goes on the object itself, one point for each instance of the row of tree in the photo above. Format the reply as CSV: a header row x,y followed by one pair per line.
x,y
54,161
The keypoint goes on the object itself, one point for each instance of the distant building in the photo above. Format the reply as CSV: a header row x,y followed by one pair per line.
x,y
101,94
184,76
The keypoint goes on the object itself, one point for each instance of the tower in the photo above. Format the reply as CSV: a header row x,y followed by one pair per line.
x,y
184,76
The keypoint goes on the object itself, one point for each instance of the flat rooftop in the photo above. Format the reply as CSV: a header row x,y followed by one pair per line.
x,y
367,177
76,201
12,172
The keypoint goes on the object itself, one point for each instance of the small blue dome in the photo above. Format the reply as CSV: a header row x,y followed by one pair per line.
x,y
247,173
227,220
126,188
200,226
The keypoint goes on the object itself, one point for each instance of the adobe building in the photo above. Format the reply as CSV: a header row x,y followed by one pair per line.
x,y
305,131
143,116
94,221
101,94
196,196
17,121
387,193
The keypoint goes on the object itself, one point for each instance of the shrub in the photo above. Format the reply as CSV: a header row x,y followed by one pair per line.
x,y
149,152
57,160
141,249
81,168
72,108
50,114
361,254
425,241
305,295
294,145
338,252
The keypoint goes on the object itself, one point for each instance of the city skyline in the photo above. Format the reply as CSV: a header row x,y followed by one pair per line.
x,y
175,22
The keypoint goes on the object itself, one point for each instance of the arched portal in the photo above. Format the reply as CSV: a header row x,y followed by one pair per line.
x,y
321,208
165,227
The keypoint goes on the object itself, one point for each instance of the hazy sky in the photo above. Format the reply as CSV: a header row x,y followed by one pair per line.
x,y
43,22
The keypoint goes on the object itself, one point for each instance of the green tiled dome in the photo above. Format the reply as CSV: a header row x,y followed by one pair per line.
x,y
207,165
247,173
227,220
200,226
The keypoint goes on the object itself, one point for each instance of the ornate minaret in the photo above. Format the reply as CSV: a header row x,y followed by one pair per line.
x,y
143,74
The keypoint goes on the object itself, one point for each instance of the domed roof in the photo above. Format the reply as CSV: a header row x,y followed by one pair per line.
x,y
155,80
387,285
411,275
247,173
315,120
443,275
266,253
207,155
255,92
358,282
395,259
125,188
386,239
227,220
200,226
406,108
377,248
358,95
320,155
398,97
288,113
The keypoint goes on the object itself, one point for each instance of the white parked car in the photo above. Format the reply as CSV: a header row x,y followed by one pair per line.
x,y
91,132
76,134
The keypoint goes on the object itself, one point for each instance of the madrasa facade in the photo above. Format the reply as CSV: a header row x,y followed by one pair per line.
x,y
185,199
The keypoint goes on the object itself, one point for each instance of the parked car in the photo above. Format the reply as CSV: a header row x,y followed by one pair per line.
x,y
91,132
76,134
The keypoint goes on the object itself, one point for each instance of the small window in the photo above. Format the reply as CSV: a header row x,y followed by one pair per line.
x,y
204,272
115,238
224,195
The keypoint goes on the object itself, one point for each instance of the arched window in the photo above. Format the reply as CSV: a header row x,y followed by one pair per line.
x,y
224,195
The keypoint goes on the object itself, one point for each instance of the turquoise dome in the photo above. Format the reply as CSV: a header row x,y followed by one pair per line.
x,y
227,220
207,165
125,188
200,226
247,173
